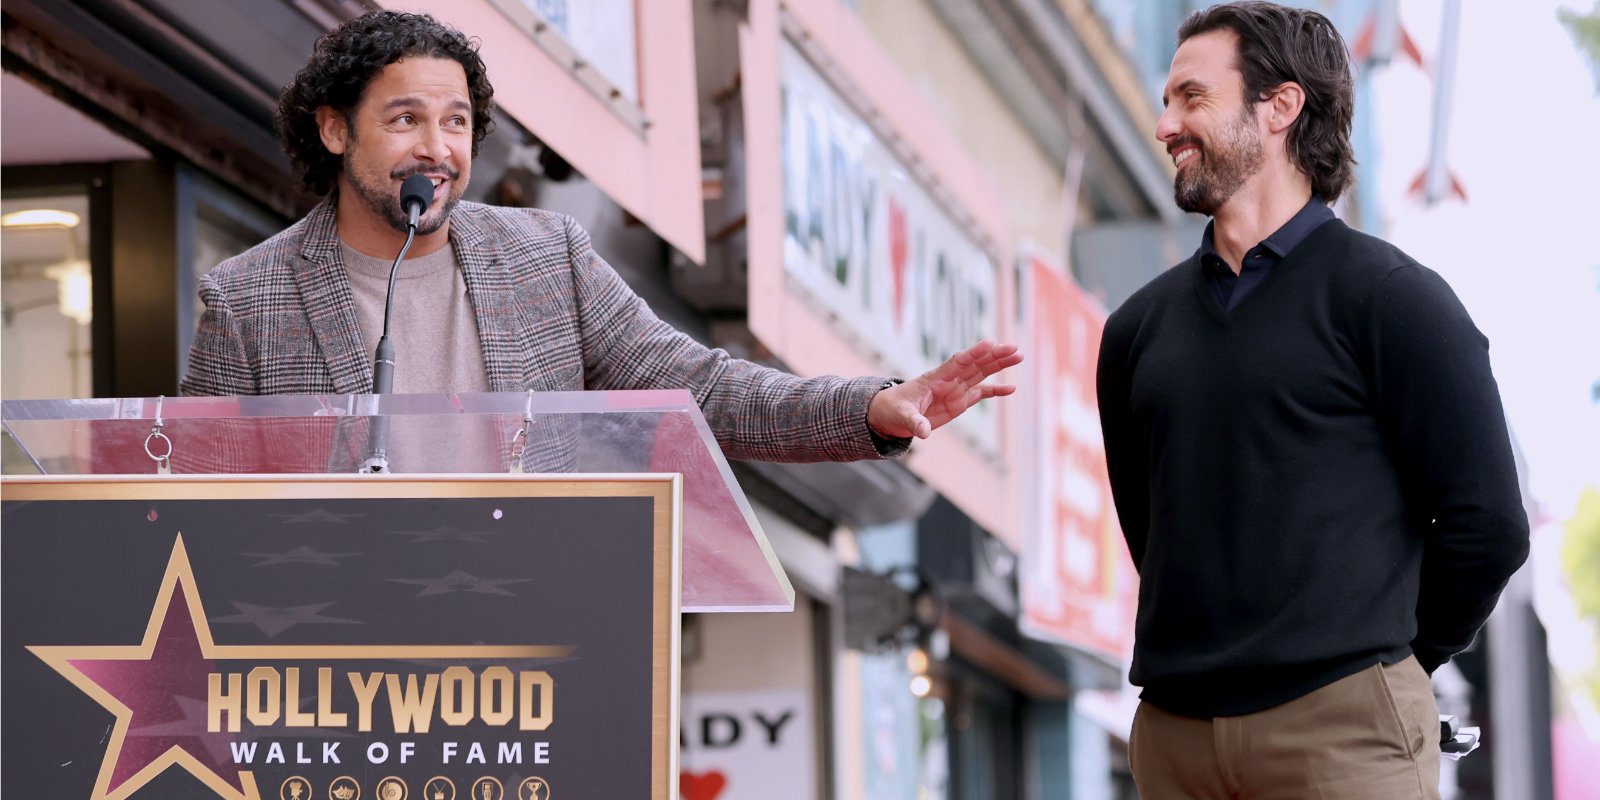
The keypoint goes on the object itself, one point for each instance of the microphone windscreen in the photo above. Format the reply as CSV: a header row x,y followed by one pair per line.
x,y
416,189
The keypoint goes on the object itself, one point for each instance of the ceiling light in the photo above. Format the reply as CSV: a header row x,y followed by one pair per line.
x,y
40,218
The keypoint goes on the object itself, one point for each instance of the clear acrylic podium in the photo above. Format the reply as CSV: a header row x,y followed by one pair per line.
x,y
727,563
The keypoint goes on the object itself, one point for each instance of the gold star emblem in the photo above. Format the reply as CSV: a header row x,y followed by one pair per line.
x,y
177,648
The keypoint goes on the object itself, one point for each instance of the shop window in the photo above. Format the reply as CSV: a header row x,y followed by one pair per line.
x,y
603,34
46,290
215,223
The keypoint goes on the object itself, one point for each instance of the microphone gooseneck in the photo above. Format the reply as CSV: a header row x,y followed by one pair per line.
x,y
416,194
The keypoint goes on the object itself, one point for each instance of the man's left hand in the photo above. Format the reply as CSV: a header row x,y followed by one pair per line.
x,y
925,403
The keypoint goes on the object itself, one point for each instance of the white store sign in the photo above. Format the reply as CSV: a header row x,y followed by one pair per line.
x,y
869,247
746,746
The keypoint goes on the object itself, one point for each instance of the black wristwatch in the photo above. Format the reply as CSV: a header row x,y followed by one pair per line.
x,y
886,446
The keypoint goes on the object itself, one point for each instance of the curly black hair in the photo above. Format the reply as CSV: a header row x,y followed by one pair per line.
x,y
345,60
1279,44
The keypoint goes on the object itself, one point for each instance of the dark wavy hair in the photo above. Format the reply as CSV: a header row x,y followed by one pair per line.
x,y
1279,45
345,60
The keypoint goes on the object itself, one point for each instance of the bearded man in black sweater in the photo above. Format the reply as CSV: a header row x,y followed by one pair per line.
x,y
1306,448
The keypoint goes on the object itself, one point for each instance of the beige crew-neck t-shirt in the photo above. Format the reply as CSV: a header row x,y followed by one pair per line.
x,y
436,349
434,332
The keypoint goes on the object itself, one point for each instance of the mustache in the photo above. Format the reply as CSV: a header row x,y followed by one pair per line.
x,y
443,170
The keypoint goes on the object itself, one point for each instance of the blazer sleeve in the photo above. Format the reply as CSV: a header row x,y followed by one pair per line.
x,y
1439,407
755,412
218,365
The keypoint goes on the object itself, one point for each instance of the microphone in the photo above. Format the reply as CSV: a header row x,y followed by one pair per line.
x,y
416,194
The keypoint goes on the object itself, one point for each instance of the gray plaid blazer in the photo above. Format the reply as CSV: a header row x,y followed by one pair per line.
x,y
552,316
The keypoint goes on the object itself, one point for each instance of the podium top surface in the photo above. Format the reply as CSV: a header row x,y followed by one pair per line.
x,y
728,564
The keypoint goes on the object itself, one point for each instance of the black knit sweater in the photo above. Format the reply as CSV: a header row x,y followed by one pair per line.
x,y
1318,480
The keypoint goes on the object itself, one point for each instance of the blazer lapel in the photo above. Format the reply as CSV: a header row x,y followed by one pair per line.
x,y
325,295
507,345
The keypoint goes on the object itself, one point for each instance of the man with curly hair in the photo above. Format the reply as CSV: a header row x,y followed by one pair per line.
x,y
493,299
1306,449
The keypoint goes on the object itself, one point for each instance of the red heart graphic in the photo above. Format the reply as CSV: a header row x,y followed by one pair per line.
x,y
703,786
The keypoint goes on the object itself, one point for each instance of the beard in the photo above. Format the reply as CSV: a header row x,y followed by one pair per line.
x,y
1205,186
386,202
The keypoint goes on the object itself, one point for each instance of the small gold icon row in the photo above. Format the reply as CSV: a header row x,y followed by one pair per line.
x,y
438,787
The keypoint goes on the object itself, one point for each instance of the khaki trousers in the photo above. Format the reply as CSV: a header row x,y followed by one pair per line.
x,y
1371,736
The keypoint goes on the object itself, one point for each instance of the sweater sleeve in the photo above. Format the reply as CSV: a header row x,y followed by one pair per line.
x,y
1440,410
1127,456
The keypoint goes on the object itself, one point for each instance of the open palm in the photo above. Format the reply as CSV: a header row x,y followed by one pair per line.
x,y
929,401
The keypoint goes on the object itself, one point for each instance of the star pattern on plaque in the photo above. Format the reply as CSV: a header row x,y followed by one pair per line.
x,y
272,621
317,516
459,581
300,555
446,533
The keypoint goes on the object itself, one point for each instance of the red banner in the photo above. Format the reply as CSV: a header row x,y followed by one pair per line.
x,y
1078,584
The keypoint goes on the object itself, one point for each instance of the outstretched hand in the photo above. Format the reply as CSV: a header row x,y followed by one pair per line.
x,y
925,403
